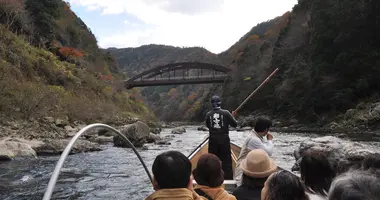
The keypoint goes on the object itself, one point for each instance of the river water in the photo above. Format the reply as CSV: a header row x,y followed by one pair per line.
x,y
116,173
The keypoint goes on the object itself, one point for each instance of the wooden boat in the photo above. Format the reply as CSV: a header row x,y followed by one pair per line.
x,y
203,149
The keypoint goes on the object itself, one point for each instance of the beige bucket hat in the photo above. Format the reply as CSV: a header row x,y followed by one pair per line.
x,y
257,164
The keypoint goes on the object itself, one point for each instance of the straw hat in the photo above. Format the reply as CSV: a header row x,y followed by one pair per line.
x,y
257,164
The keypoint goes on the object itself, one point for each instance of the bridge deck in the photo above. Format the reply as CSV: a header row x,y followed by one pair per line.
x,y
187,73
176,81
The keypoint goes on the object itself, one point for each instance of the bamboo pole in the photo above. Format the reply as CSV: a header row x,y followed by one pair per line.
x,y
257,89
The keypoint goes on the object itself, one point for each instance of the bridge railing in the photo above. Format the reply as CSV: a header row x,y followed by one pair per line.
x,y
181,78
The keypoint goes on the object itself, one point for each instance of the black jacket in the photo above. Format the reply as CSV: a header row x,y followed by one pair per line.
x,y
246,193
218,121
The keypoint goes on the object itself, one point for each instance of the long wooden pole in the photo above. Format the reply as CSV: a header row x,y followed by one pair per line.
x,y
257,89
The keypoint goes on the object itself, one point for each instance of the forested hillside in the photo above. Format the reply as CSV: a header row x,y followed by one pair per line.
x,y
328,55
167,102
51,65
252,56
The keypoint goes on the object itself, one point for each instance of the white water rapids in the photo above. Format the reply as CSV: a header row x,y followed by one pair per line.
x,y
116,173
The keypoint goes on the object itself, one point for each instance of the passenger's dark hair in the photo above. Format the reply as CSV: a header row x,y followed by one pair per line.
x,y
209,171
262,124
355,185
172,169
251,182
284,185
316,172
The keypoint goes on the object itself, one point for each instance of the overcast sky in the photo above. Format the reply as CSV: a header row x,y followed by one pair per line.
x,y
213,24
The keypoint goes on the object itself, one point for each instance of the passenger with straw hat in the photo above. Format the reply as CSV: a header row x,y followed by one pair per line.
x,y
256,167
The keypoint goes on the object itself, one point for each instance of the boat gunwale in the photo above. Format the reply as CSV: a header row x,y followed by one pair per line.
x,y
198,149
203,144
230,182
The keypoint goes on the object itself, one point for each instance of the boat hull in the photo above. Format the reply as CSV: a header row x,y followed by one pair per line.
x,y
203,149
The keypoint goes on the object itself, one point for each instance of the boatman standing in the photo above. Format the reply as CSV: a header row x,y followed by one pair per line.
x,y
218,121
255,141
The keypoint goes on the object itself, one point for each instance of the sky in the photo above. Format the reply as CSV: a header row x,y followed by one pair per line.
x,y
213,24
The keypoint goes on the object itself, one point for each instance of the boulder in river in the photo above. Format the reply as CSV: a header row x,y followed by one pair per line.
x,y
62,122
16,147
202,128
102,139
10,149
342,154
57,146
153,138
156,130
162,142
155,127
137,133
179,130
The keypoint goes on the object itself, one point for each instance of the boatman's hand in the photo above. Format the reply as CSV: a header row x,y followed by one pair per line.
x,y
269,136
233,113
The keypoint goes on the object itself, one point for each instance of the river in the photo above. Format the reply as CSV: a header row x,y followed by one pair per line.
x,y
116,173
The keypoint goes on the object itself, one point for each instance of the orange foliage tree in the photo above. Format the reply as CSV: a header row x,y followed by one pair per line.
x,y
172,92
238,57
105,77
196,106
285,18
268,33
252,38
68,9
192,96
70,52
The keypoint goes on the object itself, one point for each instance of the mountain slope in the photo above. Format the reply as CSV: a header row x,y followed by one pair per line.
x,y
253,57
52,66
328,55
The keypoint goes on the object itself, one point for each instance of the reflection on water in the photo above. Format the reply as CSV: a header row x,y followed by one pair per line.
x,y
116,173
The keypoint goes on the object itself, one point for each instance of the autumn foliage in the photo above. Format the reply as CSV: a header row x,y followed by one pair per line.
x,y
253,38
268,33
70,52
105,77
172,93
192,96
67,8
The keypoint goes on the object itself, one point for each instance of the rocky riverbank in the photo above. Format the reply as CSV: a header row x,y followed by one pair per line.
x,y
49,136
342,155
345,126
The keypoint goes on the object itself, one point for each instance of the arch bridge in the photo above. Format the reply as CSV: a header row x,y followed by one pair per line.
x,y
179,74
